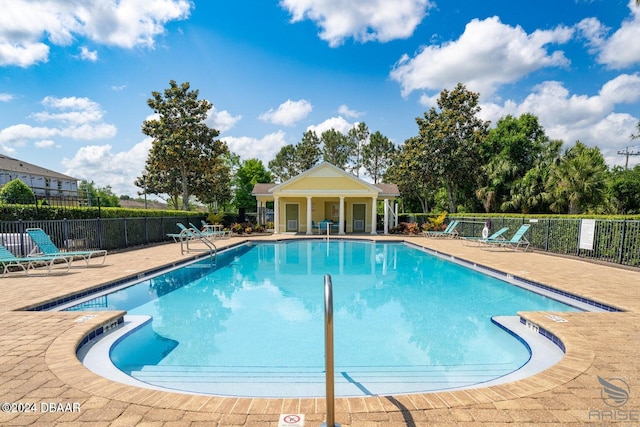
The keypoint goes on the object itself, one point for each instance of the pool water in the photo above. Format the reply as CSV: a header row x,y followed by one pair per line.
x,y
252,324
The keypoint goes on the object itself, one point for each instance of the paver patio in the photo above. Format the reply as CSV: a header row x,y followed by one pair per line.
x,y
38,364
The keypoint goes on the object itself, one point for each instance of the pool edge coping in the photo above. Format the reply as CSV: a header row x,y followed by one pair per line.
x,y
578,358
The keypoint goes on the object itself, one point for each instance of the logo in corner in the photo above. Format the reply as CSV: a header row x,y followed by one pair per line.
x,y
615,391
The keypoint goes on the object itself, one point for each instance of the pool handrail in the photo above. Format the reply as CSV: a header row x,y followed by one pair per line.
x,y
328,349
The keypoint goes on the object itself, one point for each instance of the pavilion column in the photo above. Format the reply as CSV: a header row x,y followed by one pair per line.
x,y
374,216
341,223
386,216
276,215
309,229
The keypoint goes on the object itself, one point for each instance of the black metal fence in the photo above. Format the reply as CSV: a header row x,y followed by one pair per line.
x,y
616,241
99,233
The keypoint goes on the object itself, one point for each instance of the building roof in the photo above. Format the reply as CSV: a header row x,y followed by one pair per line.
x,y
261,189
14,165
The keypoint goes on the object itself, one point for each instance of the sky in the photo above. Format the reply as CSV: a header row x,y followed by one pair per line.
x,y
75,75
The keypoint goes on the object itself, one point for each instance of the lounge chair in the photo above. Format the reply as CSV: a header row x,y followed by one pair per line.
x,y
517,240
8,260
497,236
215,229
450,231
315,227
47,248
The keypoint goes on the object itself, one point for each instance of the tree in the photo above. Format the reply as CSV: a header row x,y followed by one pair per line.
x,y
624,186
183,147
16,191
283,166
307,153
98,196
410,171
577,182
358,137
336,148
377,155
510,150
451,138
248,175
528,194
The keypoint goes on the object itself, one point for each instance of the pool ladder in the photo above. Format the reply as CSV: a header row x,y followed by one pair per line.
x,y
191,234
328,350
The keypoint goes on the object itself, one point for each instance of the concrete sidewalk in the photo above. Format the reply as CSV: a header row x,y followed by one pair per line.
x,y
41,376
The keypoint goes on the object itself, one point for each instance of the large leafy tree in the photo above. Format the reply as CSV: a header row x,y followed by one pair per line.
x,y
251,172
624,186
184,149
377,155
510,150
16,191
451,137
577,182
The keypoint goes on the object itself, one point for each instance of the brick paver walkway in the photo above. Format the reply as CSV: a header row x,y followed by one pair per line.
x,y
41,376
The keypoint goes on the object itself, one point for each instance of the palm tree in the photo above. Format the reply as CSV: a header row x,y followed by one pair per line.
x,y
578,180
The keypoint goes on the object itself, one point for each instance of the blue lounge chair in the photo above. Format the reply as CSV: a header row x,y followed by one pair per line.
x,y
517,240
450,231
497,236
47,248
8,260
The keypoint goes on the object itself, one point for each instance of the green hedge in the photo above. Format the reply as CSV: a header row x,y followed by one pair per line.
x,y
30,213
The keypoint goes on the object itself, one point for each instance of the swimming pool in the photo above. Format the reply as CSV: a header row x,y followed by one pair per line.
x,y
252,323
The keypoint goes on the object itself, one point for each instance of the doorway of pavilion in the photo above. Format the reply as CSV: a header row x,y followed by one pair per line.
x,y
359,217
291,215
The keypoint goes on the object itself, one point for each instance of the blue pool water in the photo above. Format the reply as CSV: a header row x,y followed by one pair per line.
x,y
253,323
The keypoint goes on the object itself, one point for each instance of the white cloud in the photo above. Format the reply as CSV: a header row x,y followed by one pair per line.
x,y
45,143
88,55
222,121
622,49
572,117
98,163
27,27
288,113
6,97
488,54
364,20
336,123
345,111
264,149
70,117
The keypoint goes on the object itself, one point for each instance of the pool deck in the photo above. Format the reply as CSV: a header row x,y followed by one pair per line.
x,y
38,364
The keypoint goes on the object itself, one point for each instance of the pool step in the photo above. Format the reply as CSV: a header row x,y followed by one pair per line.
x,y
310,381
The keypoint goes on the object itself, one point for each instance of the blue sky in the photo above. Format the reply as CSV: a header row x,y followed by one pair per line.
x,y
75,75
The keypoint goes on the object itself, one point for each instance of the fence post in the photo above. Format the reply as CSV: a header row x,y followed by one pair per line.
x,y
546,242
23,250
126,235
100,239
622,239
65,233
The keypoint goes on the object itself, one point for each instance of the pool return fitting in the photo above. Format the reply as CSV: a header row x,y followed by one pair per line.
x,y
328,352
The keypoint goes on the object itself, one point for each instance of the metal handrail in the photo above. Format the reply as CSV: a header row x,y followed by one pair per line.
x,y
189,234
328,345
